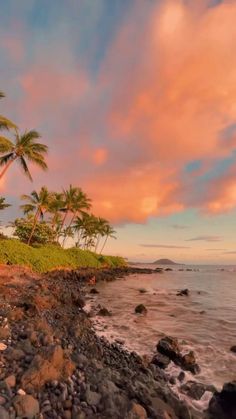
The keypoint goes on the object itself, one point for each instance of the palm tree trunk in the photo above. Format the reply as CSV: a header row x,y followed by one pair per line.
x,y
34,226
104,244
71,221
7,167
96,246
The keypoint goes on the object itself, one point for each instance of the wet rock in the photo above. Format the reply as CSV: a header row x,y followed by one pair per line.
x,y
26,406
193,389
136,412
183,292
160,360
233,349
169,347
142,290
140,309
168,269
3,413
188,362
223,404
94,291
104,312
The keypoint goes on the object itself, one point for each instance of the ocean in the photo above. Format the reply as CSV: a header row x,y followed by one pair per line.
x,y
204,321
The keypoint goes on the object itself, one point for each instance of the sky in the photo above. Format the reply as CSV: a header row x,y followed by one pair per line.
x,y
136,100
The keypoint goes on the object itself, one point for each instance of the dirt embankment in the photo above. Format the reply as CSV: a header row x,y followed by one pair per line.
x,y
52,365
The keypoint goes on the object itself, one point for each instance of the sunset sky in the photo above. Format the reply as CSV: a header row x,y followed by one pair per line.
x,y
136,100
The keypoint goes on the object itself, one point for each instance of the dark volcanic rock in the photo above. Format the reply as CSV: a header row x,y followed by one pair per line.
x,y
160,360
223,404
233,349
140,309
169,347
196,390
104,312
188,362
94,291
183,292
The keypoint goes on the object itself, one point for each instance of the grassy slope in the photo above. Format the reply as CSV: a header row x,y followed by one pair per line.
x,y
45,258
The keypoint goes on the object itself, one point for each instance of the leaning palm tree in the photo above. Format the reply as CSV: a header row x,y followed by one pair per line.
x,y
76,202
56,204
38,204
24,148
109,232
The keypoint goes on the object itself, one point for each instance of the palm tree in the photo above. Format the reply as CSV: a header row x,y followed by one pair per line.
x,y
109,232
4,122
56,204
76,202
101,228
24,148
38,203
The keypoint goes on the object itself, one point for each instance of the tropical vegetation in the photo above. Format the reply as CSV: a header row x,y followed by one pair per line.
x,y
49,218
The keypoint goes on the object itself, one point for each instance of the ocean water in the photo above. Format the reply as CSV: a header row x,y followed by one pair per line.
x,y
205,321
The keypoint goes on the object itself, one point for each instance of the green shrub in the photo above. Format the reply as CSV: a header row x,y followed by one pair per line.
x,y
45,258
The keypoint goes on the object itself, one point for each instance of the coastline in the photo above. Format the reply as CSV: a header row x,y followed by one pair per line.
x,y
55,365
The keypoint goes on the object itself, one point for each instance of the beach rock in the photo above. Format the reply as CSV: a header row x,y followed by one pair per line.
x,y
142,290
92,398
3,413
233,349
53,365
169,347
3,347
223,404
10,380
140,309
160,360
183,292
168,269
181,376
136,412
26,406
188,362
14,354
193,389
94,291
4,333
104,312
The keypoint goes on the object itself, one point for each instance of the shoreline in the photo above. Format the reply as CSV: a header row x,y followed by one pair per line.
x,y
54,364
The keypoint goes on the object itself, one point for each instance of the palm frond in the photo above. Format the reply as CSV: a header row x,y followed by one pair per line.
x,y
24,166
5,159
5,145
27,208
6,123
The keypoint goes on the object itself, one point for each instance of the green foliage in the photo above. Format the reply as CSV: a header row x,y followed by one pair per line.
x,y
42,259
42,234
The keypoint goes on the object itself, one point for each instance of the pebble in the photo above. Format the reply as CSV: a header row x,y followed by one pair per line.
x,y
3,347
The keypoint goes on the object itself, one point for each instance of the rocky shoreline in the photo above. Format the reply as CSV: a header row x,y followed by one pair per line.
x,y
53,365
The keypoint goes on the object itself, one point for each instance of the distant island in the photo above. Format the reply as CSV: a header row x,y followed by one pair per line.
x,y
165,262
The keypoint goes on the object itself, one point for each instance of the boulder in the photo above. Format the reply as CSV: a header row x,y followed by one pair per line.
x,y
142,290
104,312
169,347
233,349
193,389
26,406
52,365
160,360
136,412
92,397
188,362
223,404
140,309
10,381
94,291
183,292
